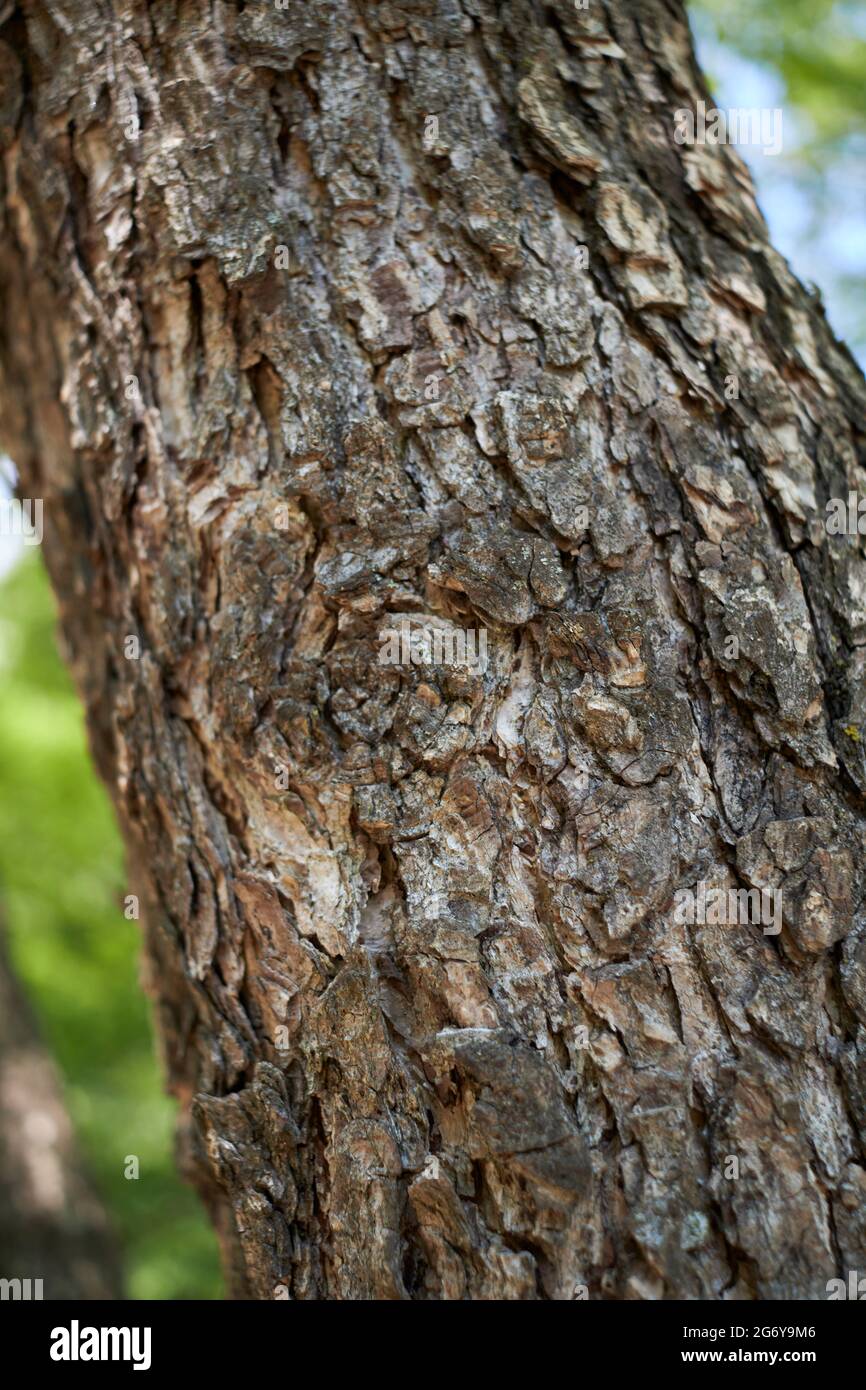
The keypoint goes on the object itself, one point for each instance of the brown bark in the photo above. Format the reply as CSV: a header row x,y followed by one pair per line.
x,y
411,929
53,1227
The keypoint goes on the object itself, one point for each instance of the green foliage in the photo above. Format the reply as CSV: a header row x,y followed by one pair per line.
x,y
62,888
809,56
817,48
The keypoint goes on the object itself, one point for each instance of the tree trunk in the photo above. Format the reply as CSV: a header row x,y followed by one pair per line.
x,y
53,1229
329,318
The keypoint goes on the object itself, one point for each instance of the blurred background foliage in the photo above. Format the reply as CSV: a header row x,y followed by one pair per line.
x,y
809,58
61,867
62,888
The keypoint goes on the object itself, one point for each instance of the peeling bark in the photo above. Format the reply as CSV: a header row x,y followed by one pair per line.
x,y
301,344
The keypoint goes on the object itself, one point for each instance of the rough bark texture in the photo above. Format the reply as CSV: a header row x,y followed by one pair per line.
x,y
53,1227
435,1029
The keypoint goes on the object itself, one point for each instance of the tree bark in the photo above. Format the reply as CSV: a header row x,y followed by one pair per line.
x,y
53,1228
301,344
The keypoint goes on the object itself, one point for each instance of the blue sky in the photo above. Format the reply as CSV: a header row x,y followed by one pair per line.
x,y
822,241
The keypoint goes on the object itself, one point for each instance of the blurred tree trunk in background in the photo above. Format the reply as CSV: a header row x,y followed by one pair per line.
x,y
329,316
52,1226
